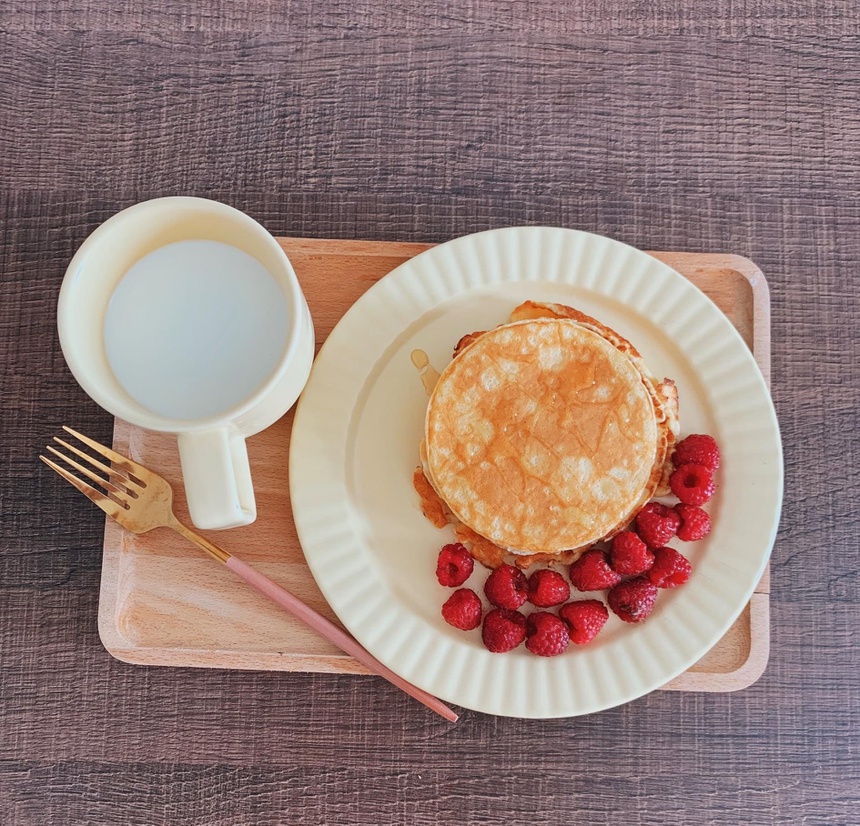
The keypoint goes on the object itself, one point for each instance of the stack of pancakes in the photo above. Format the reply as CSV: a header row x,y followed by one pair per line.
x,y
544,436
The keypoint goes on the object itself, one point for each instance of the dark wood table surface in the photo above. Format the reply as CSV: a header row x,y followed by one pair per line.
x,y
708,126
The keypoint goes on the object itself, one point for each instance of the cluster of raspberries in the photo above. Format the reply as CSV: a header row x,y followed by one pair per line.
x,y
637,564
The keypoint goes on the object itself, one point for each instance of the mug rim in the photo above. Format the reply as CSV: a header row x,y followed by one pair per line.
x,y
139,414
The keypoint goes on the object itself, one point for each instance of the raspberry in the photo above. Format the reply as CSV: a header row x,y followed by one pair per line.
x,y
548,588
584,619
507,587
669,569
463,609
503,630
454,566
657,524
633,600
546,634
695,523
591,572
630,555
697,450
692,484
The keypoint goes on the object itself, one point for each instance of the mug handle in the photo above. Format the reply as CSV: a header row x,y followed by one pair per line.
x,y
217,478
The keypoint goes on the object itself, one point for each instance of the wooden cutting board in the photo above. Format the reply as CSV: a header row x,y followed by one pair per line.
x,y
163,603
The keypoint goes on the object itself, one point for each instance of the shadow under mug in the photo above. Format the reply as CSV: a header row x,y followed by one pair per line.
x,y
212,450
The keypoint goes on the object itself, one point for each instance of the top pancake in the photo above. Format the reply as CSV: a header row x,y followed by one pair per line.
x,y
541,436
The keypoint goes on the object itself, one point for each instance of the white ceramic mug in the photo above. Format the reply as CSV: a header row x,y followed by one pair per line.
x,y
212,449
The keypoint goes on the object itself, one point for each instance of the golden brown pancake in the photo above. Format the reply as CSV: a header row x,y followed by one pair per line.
x,y
541,436
544,435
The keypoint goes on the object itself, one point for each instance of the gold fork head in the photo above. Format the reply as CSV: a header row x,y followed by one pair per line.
x,y
125,490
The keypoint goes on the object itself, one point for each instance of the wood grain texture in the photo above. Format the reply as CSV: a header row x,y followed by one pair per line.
x,y
475,17
716,126
360,111
162,604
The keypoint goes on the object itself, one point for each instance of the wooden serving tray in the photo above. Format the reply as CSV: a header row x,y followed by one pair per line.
x,y
163,603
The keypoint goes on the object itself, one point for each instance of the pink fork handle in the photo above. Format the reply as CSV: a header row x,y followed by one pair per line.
x,y
332,632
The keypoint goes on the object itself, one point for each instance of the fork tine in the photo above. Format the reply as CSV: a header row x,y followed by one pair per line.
x,y
122,461
106,484
110,507
102,467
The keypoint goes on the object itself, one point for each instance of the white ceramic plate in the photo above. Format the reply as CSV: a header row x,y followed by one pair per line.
x,y
355,446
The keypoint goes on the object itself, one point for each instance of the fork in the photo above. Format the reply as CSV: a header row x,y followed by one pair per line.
x,y
141,501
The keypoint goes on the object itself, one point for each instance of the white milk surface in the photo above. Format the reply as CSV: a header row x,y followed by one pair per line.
x,y
194,328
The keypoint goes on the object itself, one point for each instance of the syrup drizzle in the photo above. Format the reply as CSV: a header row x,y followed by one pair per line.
x,y
429,375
